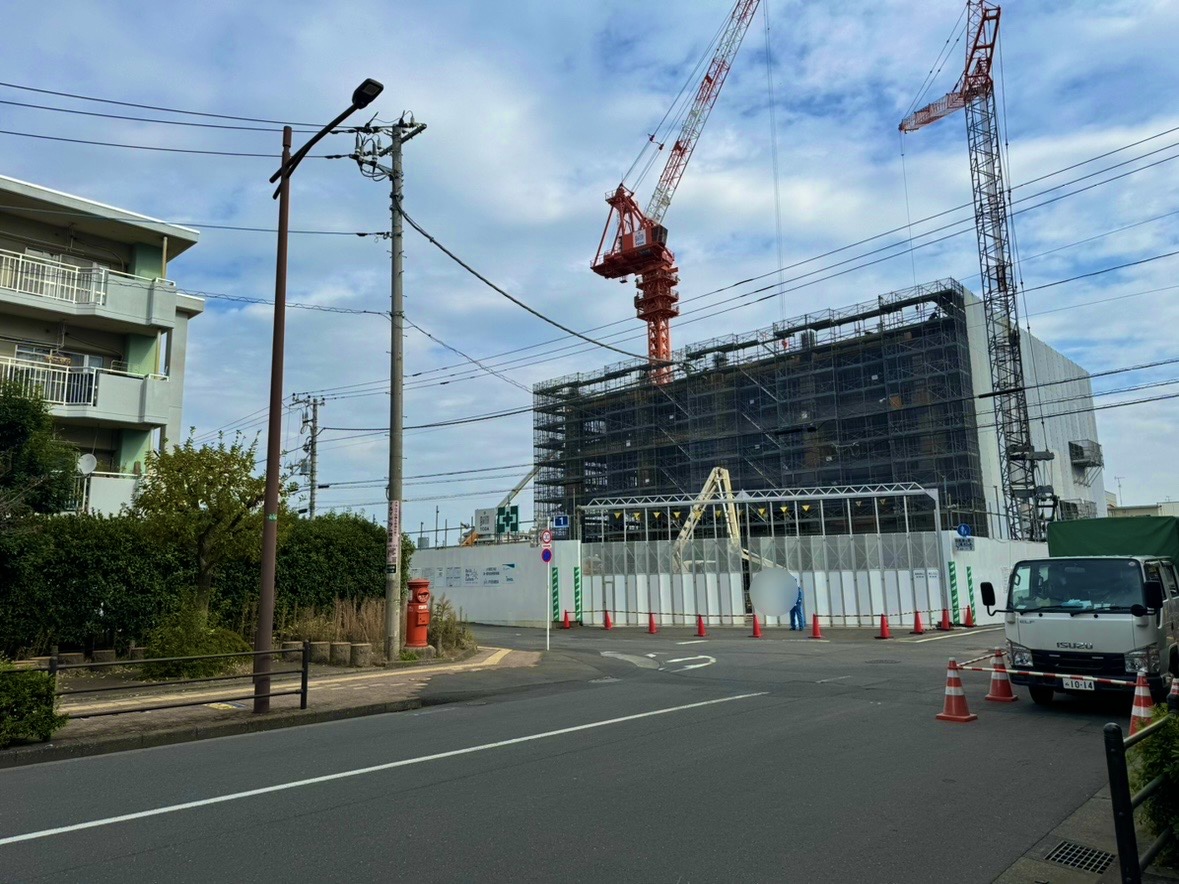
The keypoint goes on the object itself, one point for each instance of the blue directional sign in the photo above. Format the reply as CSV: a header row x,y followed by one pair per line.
x,y
963,530
561,523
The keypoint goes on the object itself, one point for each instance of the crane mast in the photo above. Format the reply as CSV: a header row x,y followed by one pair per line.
x,y
975,93
638,246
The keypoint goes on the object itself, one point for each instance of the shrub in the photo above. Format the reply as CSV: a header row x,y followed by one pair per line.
x,y
1159,754
447,630
27,706
186,633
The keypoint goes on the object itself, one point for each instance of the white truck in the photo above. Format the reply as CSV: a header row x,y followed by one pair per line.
x,y
1081,624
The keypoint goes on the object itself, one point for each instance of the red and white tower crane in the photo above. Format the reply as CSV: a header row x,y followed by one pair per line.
x,y
975,92
639,243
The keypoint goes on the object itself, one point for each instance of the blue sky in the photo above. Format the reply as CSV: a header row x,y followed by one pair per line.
x,y
534,110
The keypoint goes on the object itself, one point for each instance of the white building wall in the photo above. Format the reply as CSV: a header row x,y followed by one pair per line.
x,y
1059,397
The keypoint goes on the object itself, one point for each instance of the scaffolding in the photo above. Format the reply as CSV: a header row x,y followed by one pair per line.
x,y
875,393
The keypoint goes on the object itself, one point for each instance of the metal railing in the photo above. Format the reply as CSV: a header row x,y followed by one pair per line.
x,y
61,384
54,668
55,280
1125,803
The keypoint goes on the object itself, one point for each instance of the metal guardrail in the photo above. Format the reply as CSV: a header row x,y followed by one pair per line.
x,y
55,280
54,668
1125,803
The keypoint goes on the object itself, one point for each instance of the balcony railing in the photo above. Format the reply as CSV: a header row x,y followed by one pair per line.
x,y
105,493
59,384
52,279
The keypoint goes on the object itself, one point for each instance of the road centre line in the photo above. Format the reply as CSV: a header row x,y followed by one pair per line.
x,y
327,778
695,641
938,638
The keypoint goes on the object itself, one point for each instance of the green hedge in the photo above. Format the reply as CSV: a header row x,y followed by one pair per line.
x,y
74,580
27,706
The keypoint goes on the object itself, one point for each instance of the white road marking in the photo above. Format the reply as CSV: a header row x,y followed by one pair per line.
x,y
361,771
837,678
698,641
641,662
708,662
956,634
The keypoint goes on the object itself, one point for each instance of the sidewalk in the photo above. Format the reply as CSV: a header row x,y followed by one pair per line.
x,y
333,694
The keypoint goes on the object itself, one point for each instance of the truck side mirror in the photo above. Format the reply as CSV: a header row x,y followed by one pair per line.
x,y
988,595
1154,594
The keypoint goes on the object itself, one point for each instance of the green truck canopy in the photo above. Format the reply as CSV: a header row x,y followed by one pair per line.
x,y
1136,536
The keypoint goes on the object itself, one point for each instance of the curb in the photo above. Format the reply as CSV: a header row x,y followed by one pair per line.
x,y
44,752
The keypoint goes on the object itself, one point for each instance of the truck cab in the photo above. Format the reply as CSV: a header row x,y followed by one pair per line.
x,y
1089,624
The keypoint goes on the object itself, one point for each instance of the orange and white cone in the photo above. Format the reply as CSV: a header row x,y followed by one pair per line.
x,y
756,626
700,630
955,706
885,632
1143,712
565,624
1173,696
816,632
1000,684
918,626
652,628
608,623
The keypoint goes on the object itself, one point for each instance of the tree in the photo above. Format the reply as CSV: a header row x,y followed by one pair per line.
x,y
37,470
208,501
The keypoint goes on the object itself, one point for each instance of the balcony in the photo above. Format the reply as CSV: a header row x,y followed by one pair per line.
x,y
92,394
117,301
106,494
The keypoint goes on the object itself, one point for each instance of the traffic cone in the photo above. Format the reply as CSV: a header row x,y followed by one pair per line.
x,y
969,621
918,628
609,624
946,625
565,624
884,632
1173,696
955,705
815,631
1000,684
700,630
756,626
1143,712
651,627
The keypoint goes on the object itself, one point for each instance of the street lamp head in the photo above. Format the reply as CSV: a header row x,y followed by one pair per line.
x,y
366,92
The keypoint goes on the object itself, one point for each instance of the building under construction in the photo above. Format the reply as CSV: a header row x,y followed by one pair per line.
x,y
884,391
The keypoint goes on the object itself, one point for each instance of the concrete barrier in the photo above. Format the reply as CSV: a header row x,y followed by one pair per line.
x,y
362,654
106,655
70,658
341,653
292,651
136,654
321,652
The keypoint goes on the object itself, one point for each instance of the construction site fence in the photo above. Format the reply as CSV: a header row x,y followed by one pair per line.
x,y
930,619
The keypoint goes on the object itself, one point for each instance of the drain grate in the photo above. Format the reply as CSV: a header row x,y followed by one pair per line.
x,y
1078,856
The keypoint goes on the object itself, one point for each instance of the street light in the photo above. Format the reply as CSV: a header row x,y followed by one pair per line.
x,y
362,97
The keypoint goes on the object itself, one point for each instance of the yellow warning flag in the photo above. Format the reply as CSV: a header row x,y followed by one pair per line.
x,y
618,515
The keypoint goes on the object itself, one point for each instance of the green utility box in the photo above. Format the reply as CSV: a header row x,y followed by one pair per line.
x,y
1136,536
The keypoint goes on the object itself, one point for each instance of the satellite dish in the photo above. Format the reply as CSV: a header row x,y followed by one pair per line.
x,y
87,463
772,592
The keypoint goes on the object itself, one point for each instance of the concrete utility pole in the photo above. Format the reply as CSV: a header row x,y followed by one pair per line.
x,y
369,150
313,455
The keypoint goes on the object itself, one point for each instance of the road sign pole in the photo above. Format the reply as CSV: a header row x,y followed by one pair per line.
x,y
548,605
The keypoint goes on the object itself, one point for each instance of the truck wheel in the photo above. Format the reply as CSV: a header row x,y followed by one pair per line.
x,y
1042,696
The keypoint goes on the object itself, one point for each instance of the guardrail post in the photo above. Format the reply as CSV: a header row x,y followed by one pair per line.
x,y
306,672
1123,806
53,666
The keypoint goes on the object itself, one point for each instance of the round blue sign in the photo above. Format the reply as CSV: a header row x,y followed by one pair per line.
x,y
546,555
963,530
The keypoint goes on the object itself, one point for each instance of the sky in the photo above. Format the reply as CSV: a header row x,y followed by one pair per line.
x,y
534,111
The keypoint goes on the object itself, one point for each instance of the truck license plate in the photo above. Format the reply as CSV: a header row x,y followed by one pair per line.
x,y
1079,684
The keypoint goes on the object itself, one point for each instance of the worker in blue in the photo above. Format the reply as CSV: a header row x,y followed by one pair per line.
x,y
797,615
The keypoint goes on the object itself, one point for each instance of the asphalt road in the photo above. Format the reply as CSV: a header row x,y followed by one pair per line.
x,y
667,759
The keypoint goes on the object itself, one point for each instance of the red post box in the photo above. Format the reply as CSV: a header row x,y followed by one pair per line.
x,y
417,614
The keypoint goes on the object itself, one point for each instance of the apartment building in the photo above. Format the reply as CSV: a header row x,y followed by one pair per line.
x,y
89,318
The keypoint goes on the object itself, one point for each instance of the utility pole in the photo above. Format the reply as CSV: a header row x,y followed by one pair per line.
x,y
310,447
1121,500
369,150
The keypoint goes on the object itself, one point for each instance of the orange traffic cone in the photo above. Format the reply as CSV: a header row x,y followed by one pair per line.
x,y
1000,684
756,626
884,632
651,627
565,624
955,705
969,621
946,625
1173,696
1143,712
609,624
700,630
918,628
815,631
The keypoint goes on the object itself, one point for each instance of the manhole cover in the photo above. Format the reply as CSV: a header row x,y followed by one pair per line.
x,y
880,662
1078,856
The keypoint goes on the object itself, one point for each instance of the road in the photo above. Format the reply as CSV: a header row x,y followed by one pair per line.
x,y
719,760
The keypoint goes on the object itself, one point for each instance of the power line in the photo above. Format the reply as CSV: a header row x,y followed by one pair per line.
x,y
127,118
471,359
153,147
